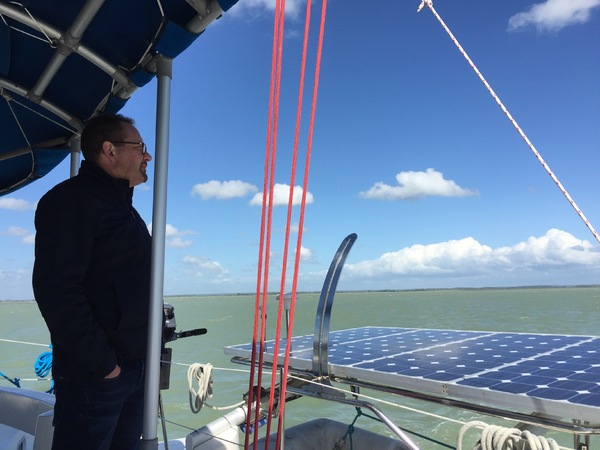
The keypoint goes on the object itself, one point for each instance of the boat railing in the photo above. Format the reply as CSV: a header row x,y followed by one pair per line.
x,y
324,392
320,360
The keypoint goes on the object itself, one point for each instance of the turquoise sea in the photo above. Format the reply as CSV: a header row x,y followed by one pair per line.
x,y
229,320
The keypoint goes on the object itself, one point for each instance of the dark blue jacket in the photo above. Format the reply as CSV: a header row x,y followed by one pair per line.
x,y
91,277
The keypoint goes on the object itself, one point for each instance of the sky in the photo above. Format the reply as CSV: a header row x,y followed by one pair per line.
x,y
409,150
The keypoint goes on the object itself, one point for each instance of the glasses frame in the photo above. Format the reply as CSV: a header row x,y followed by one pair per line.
x,y
142,144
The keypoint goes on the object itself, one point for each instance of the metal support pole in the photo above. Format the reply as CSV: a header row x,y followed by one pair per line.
x,y
75,145
159,218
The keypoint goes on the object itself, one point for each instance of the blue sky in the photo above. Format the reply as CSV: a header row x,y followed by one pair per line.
x,y
409,150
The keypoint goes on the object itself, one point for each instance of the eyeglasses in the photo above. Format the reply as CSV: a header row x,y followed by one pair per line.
x,y
142,145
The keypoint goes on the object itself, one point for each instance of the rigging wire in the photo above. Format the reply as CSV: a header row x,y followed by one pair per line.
x,y
34,24
379,400
16,118
10,99
429,4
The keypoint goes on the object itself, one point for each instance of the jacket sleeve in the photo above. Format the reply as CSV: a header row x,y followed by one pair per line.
x,y
65,233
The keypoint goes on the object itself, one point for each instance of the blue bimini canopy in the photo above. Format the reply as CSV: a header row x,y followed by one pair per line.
x,y
64,61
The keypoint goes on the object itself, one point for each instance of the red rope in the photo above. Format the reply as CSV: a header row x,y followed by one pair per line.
x,y
281,306
266,226
302,211
265,230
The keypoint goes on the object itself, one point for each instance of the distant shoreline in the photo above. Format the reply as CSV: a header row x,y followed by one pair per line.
x,y
350,291
490,288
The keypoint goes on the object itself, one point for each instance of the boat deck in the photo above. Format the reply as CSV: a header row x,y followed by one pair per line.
x,y
552,375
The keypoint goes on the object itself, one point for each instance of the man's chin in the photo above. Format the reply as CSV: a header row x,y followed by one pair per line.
x,y
139,181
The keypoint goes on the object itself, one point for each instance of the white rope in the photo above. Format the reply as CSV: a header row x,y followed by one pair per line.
x,y
429,4
384,402
23,342
224,369
494,437
33,379
201,374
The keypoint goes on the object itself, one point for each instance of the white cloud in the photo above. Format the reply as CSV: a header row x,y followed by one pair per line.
x,y
26,235
175,237
553,15
15,231
292,7
468,258
223,190
200,267
15,204
281,195
178,242
306,254
415,185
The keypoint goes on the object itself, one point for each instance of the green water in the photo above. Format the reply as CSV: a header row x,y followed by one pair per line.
x,y
229,321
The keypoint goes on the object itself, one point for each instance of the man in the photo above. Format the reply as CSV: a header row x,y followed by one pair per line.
x,y
91,280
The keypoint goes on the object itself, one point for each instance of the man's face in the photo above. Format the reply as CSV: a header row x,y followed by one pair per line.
x,y
131,162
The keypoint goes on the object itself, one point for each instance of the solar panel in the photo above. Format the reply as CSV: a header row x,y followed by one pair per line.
x,y
544,373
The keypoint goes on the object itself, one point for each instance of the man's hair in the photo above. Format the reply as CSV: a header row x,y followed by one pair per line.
x,y
105,127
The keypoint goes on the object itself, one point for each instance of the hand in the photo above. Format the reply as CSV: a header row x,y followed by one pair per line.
x,y
114,374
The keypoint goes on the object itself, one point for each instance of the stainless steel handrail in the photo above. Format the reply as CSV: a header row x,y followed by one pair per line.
x,y
320,360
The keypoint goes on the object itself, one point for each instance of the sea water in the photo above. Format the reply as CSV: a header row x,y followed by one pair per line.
x,y
229,321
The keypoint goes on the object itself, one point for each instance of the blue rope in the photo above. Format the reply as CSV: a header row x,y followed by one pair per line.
x,y
15,381
42,367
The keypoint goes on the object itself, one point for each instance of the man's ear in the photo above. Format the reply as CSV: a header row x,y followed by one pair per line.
x,y
108,150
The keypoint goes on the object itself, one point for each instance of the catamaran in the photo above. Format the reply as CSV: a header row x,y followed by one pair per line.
x,y
58,67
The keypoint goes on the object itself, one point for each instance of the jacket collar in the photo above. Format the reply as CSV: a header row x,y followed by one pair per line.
x,y
91,170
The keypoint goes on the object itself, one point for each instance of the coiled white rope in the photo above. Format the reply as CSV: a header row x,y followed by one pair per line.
x,y
494,437
201,374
